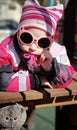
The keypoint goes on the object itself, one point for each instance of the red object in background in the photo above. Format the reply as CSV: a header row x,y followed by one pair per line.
x,y
56,36
75,46
58,29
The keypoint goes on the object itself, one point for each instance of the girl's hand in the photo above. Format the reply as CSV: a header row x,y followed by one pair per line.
x,y
46,60
44,82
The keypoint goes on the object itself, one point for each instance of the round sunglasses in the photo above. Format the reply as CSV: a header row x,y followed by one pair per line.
x,y
26,37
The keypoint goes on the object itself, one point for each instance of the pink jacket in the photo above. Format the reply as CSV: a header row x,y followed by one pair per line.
x,y
15,78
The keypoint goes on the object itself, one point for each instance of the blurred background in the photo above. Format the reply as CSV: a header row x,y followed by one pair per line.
x,y
10,12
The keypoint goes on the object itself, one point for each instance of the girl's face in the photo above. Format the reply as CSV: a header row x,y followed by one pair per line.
x,y
33,48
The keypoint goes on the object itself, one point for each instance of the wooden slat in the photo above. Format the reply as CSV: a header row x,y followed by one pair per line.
x,y
53,104
32,95
45,93
73,88
10,97
56,92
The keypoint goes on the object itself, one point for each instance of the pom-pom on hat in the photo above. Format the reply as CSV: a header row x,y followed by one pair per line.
x,y
44,18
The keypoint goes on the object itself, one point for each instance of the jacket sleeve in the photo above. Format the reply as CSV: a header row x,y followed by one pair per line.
x,y
63,69
21,80
11,81
60,74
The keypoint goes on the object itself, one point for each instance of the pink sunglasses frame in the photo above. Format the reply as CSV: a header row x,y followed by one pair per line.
x,y
35,39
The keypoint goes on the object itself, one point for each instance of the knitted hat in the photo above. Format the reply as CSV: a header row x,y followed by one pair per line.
x,y
44,18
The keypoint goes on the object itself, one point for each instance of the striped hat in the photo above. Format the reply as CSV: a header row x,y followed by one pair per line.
x,y
44,18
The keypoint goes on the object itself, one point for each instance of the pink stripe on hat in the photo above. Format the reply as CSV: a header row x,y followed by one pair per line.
x,y
44,18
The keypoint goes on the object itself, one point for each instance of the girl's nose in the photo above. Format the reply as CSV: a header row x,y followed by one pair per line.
x,y
33,46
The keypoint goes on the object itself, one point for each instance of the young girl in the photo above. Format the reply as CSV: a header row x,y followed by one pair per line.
x,y
31,54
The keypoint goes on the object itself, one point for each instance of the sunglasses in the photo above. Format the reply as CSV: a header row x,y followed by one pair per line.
x,y
26,37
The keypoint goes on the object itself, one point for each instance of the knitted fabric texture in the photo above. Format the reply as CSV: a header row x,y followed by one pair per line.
x,y
44,18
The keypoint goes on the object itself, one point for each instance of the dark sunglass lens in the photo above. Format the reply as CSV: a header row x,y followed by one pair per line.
x,y
26,37
44,42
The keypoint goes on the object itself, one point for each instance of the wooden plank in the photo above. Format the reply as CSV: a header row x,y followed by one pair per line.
x,y
56,92
10,97
32,95
45,93
55,104
72,88
56,101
